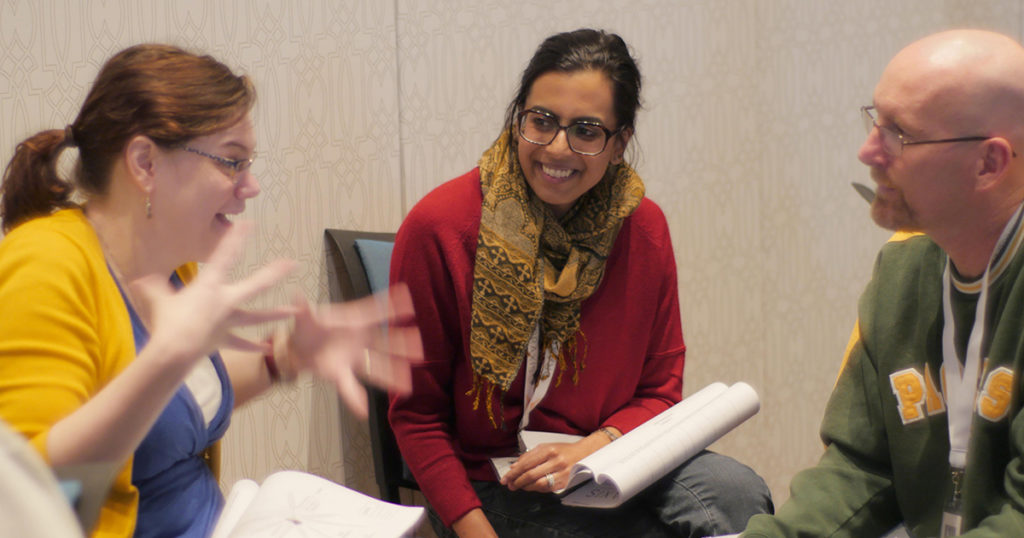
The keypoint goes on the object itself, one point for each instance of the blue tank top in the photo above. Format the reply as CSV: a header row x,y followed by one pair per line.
x,y
178,494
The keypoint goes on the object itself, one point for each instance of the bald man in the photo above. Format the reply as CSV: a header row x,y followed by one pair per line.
x,y
924,428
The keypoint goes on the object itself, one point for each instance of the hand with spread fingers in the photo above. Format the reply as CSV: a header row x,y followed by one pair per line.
x,y
374,339
203,314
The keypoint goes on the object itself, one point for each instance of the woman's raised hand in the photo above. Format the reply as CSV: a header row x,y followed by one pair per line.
x,y
199,318
374,339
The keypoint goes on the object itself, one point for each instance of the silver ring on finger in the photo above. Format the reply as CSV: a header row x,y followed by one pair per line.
x,y
551,481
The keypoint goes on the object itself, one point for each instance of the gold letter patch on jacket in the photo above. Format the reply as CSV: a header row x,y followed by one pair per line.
x,y
909,387
917,396
994,396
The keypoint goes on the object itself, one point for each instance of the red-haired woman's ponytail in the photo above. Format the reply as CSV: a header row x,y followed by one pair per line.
x,y
31,186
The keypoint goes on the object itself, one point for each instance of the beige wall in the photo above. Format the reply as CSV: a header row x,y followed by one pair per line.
x,y
748,142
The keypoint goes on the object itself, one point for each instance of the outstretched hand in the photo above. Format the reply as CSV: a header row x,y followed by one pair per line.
x,y
374,339
197,319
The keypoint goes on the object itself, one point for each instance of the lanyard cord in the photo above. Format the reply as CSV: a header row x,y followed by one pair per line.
x,y
961,381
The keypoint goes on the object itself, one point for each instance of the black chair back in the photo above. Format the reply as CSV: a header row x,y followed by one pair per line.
x,y
348,280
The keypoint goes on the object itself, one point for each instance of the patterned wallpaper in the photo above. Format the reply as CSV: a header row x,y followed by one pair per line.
x,y
747,140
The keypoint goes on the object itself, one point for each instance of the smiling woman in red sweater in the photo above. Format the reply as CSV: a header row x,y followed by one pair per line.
x,y
545,286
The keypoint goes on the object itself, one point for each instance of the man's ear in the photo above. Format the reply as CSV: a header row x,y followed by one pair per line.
x,y
996,156
140,155
620,144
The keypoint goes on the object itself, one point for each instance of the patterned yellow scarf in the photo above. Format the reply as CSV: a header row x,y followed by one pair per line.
x,y
533,266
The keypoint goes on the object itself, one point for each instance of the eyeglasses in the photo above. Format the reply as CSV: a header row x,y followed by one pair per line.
x,y
893,139
584,136
235,166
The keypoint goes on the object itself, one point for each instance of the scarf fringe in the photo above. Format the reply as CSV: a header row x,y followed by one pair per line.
x,y
566,357
484,388
563,353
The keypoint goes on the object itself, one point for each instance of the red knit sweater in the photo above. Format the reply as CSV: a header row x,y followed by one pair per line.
x,y
632,346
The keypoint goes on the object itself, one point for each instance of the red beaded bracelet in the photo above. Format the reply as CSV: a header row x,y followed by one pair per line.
x,y
278,371
271,364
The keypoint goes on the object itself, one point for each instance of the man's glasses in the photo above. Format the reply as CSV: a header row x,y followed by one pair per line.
x,y
234,166
584,137
893,140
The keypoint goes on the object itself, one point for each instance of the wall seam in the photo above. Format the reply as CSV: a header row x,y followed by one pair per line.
x,y
402,180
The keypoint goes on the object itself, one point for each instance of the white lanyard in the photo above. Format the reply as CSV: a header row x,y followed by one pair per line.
x,y
961,382
536,386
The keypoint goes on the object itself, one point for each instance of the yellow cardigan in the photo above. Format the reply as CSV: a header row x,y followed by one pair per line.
x,y
64,334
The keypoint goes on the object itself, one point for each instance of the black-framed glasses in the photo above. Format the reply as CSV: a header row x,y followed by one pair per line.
x,y
585,137
234,166
893,140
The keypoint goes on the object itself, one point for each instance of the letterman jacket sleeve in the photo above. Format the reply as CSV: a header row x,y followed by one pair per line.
x,y
849,492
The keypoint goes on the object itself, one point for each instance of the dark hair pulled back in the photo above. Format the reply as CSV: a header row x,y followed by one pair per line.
x,y
159,91
580,50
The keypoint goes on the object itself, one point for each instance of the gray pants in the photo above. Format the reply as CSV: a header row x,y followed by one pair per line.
x,y
708,495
